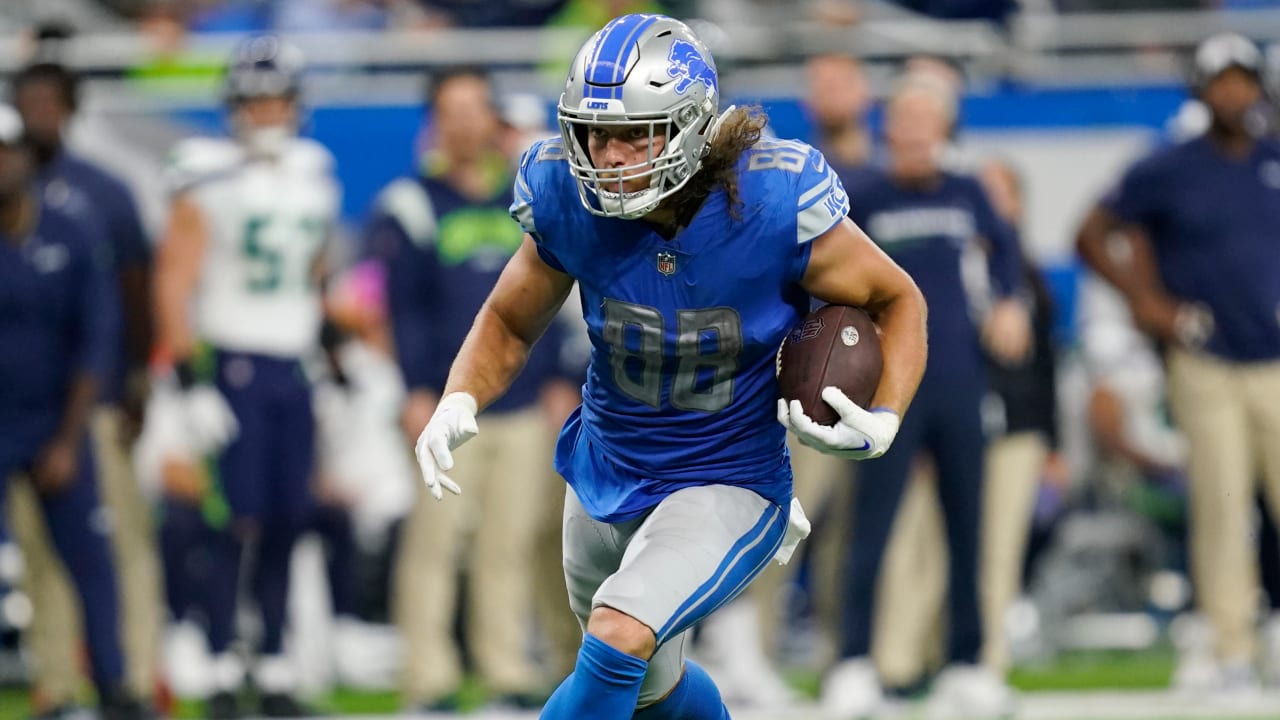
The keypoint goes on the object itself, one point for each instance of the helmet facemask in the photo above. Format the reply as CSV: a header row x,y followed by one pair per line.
x,y
667,171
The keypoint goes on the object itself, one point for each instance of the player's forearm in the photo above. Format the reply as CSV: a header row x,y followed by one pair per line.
x,y
81,396
904,343
136,292
490,359
178,268
1130,267
172,296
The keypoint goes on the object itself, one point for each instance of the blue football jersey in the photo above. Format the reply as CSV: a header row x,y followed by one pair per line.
x,y
681,388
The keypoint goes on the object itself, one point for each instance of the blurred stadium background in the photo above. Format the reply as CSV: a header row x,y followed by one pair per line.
x,y
1069,91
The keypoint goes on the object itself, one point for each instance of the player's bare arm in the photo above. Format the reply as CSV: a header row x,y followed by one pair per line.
x,y
178,265
1122,254
847,268
521,306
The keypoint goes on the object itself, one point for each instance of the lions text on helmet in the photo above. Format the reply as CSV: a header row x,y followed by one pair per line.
x,y
262,87
632,144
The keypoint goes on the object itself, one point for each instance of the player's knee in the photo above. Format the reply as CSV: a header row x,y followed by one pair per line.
x,y
622,632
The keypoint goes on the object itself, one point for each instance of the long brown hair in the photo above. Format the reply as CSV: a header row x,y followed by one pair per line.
x,y
740,130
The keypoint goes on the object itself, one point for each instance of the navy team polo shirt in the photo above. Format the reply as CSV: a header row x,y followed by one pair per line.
x,y
1214,224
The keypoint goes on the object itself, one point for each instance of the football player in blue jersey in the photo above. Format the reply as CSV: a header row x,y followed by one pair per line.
x,y
696,247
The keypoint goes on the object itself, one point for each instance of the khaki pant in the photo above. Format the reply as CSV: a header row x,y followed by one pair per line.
x,y
561,632
913,582
1230,415
55,630
491,527
912,585
1015,466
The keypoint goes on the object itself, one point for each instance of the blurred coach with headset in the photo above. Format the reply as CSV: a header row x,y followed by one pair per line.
x,y
1188,237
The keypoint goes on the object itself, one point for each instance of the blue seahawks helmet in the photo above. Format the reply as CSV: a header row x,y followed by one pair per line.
x,y
640,70
263,66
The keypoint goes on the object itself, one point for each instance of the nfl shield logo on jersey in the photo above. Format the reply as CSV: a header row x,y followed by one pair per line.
x,y
666,263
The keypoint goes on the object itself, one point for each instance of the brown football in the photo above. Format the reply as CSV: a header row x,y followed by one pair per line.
x,y
833,345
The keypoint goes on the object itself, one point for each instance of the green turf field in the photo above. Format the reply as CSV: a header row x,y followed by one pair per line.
x,y
1074,686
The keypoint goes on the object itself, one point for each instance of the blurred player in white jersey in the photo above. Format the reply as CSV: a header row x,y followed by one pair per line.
x,y
239,308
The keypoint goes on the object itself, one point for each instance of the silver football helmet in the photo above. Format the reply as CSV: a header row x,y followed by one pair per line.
x,y
640,70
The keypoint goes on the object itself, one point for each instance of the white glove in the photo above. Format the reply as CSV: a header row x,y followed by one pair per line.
x,y
859,435
209,421
453,423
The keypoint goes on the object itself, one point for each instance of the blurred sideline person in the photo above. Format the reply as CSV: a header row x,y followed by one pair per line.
x,y
46,95
525,121
1025,451
837,99
934,223
444,238
680,480
1020,413
560,397
1185,236
239,309
60,307
740,643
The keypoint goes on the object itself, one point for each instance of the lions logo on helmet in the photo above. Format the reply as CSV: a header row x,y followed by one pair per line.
x,y
640,70
688,67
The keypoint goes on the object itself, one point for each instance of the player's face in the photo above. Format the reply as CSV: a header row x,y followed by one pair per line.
x,y
624,146
266,112
916,127
1231,95
837,94
463,120
44,112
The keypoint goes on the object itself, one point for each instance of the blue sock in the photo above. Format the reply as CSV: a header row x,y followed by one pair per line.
x,y
695,697
605,685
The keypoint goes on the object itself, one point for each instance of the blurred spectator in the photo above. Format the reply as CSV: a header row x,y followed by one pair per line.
x,y
1025,449
837,99
238,304
365,485
46,95
60,307
1185,237
740,642
170,65
445,237
525,119
929,221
